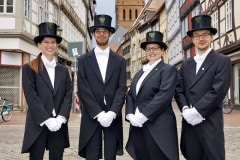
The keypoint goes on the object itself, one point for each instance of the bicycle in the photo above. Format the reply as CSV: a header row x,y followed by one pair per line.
x,y
227,105
6,110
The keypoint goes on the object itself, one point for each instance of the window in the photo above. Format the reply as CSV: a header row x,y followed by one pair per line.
x,y
55,16
43,14
124,15
26,8
181,2
130,14
184,27
196,11
215,22
228,15
136,14
7,6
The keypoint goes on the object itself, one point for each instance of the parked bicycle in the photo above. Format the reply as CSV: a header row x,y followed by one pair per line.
x,y
227,105
6,110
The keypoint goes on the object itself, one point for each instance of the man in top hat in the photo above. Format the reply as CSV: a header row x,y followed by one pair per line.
x,y
153,129
48,91
203,82
102,87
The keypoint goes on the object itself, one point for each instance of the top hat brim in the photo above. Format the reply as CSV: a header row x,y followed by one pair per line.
x,y
212,30
111,29
38,39
162,44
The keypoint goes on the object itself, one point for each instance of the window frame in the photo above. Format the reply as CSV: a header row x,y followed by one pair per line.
x,y
5,7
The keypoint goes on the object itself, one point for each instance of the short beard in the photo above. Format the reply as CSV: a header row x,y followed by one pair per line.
x,y
102,44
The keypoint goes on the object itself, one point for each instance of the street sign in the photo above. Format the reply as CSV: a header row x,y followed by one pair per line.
x,y
75,49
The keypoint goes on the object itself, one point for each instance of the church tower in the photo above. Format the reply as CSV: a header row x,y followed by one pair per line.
x,y
127,12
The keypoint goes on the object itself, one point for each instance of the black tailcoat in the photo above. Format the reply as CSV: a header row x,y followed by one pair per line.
x,y
92,91
154,101
42,98
205,91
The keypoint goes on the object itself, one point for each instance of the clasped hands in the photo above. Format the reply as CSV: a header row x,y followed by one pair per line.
x,y
54,124
106,118
137,119
192,116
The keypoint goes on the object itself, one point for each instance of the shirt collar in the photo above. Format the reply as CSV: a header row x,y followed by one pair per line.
x,y
99,52
202,57
47,63
149,66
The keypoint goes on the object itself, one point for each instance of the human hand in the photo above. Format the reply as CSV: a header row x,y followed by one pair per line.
x,y
133,121
52,124
106,119
192,116
140,118
60,120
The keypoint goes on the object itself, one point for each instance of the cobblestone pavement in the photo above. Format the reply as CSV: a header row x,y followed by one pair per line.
x,y
11,135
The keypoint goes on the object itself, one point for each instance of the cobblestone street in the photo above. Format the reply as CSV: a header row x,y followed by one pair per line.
x,y
11,135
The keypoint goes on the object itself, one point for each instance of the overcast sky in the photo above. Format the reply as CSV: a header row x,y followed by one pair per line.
x,y
107,7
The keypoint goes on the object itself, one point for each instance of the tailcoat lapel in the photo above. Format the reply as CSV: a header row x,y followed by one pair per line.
x,y
191,70
110,66
57,78
203,69
153,71
45,77
92,60
135,80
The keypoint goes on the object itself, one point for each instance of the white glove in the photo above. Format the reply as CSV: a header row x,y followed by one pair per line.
x,y
106,119
60,120
133,121
140,118
192,116
52,124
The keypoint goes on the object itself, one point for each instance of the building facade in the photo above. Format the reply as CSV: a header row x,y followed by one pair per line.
x,y
127,12
227,40
19,21
174,39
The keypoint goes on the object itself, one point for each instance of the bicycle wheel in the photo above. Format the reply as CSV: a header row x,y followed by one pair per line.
x,y
7,112
227,107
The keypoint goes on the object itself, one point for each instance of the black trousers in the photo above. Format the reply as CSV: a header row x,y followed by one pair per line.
x,y
94,146
194,147
144,145
53,141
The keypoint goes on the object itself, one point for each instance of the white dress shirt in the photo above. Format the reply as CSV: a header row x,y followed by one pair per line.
x,y
147,68
200,58
50,66
102,59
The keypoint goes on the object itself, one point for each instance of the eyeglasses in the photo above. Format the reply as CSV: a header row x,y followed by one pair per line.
x,y
154,49
103,31
203,36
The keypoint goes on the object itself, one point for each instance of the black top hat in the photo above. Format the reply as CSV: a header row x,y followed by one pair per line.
x,y
201,22
154,37
103,21
47,29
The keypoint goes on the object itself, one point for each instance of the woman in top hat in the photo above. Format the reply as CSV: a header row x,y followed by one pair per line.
x,y
48,91
203,82
102,89
153,130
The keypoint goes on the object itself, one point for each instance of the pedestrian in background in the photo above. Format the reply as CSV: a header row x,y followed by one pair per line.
x,y
102,88
153,129
203,82
48,91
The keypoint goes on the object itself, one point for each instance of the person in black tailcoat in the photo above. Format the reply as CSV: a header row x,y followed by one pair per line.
x,y
153,129
102,86
203,82
48,91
